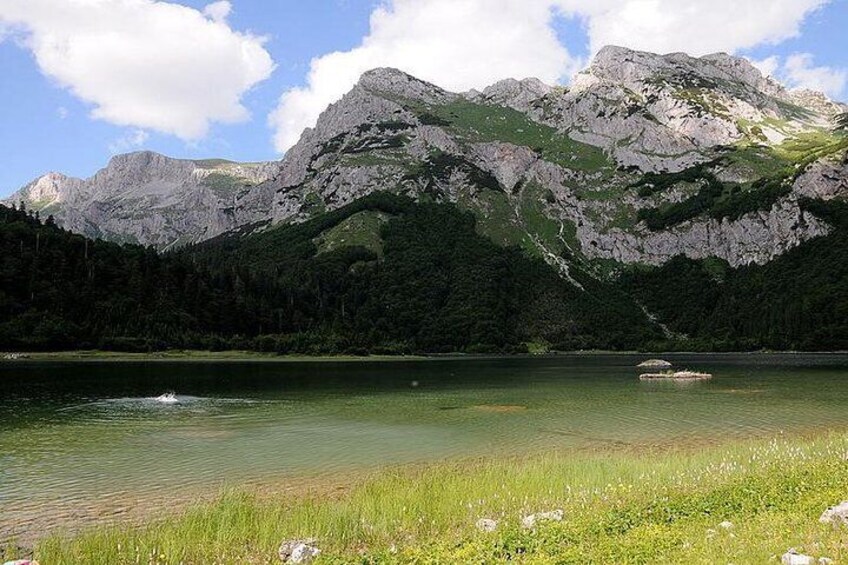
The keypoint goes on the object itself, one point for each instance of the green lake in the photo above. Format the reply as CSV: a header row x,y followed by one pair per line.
x,y
84,442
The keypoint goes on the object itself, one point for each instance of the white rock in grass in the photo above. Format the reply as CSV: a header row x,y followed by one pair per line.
x,y
836,515
792,557
552,516
727,525
825,561
298,551
487,525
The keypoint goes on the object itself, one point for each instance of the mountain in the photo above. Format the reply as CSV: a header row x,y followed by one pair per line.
x,y
151,199
707,147
645,157
659,201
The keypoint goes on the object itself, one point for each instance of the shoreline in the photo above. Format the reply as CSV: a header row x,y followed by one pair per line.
x,y
592,485
251,356
126,509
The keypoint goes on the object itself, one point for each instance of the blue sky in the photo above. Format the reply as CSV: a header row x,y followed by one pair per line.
x,y
72,121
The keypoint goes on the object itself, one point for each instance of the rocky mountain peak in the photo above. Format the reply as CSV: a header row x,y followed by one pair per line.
x,y
136,158
517,94
45,191
631,68
142,167
387,81
148,198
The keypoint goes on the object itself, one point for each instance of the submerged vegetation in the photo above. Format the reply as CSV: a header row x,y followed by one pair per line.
x,y
744,503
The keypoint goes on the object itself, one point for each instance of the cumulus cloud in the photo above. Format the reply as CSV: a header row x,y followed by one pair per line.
x,y
143,63
457,44
800,71
463,44
696,27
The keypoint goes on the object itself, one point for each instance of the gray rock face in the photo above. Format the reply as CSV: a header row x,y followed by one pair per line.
x,y
666,112
757,237
151,199
825,180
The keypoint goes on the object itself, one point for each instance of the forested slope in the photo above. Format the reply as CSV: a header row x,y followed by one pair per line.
x,y
433,285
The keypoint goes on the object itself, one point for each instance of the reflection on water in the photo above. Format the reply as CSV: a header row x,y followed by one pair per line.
x,y
73,434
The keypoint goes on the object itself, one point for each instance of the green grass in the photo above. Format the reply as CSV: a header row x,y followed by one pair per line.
x,y
487,123
360,230
520,220
648,506
224,185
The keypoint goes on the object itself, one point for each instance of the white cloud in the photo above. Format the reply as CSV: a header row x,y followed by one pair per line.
x,y
134,139
218,11
142,63
800,72
697,27
62,112
457,44
463,44
768,66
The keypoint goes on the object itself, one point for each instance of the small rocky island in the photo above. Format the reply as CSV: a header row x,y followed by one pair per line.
x,y
676,376
655,364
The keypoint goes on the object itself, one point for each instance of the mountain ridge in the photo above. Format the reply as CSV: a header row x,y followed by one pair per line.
x,y
577,156
148,198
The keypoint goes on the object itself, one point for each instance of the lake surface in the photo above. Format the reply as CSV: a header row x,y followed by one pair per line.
x,y
84,442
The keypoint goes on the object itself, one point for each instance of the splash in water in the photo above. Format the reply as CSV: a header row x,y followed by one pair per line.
x,y
167,398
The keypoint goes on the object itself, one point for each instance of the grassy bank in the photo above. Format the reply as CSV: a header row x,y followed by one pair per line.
x,y
223,356
197,355
622,507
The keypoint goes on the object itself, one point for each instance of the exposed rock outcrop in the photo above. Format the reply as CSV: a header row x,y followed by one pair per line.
x,y
151,199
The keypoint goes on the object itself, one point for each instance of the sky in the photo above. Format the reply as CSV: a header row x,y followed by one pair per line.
x,y
83,80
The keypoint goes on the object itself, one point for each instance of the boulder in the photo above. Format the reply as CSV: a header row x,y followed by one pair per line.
x,y
531,520
298,551
792,557
836,515
486,525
